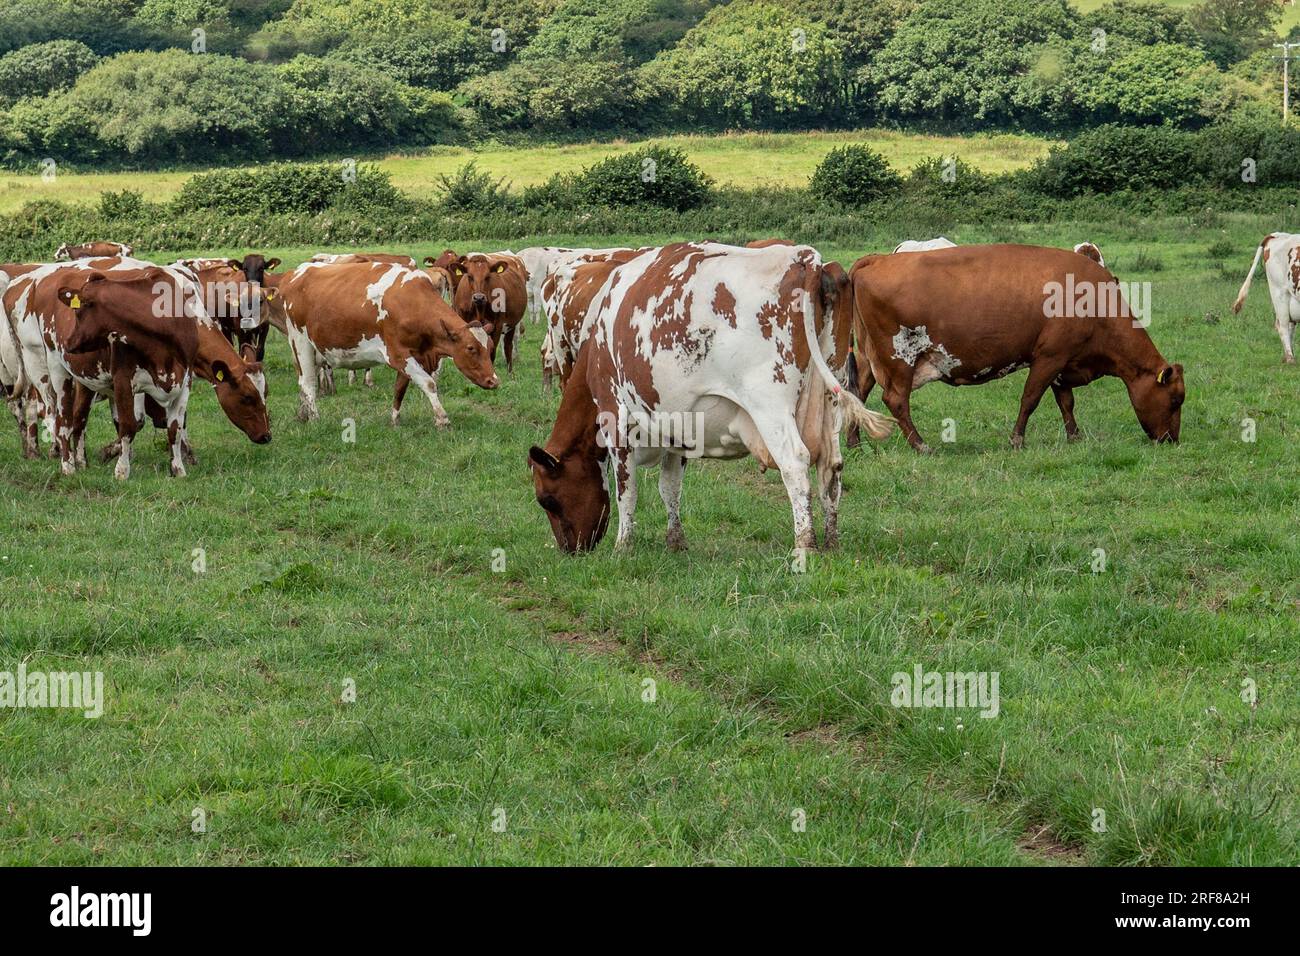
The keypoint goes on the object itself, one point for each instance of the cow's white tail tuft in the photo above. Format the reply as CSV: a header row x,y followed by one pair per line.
x,y
876,425
1245,286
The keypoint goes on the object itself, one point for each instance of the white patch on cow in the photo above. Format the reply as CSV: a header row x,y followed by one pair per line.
x,y
911,343
376,290
480,336
367,353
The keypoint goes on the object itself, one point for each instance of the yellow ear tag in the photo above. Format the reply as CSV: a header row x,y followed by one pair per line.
x,y
76,302
501,268
270,297
1161,376
221,376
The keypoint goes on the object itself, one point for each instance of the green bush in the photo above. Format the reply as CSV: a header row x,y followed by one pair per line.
x,y
1273,149
1116,158
288,188
946,177
41,68
121,205
650,176
853,176
470,189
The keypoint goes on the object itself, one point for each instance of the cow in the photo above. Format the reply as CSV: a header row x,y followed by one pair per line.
x,y
566,296
1281,254
707,350
492,289
926,245
127,332
363,314
19,393
92,250
972,314
538,261
1090,250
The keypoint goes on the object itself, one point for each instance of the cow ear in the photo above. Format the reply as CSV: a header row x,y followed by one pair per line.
x,y
74,297
1167,374
220,371
236,264
487,327
273,264
541,458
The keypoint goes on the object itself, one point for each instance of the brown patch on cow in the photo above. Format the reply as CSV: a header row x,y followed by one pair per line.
x,y
724,303
1264,244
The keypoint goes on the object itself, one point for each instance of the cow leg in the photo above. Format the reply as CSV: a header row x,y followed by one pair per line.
x,y
624,462
781,435
305,359
671,471
510,349
177,437
898,398
83,399
399,396
1285,327
830,486
369,380
1065,401
64,399
428,383
127,423
352,377
1041,375
325,376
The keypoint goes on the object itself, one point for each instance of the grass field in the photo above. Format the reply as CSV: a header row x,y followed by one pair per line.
x,y
742,159
520,698
1290,11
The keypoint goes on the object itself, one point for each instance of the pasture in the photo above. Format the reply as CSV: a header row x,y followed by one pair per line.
x,y
504,716
737,159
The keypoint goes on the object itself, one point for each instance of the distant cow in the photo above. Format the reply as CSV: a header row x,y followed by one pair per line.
x,y
492,289
1091,251
92,250
363,314
130,333
1281,254
927,245
701,349
972,314
364,257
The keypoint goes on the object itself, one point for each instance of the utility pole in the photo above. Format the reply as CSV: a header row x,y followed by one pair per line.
x,y
1286,59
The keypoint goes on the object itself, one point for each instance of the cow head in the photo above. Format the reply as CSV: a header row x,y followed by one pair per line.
x,y
62,254
241,399
573,492
1157,398
255,266
470,347
91,310
483,285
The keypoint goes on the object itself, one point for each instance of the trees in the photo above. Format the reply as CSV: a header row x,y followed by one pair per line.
x,y
1233,29
752,63
41,68
634,30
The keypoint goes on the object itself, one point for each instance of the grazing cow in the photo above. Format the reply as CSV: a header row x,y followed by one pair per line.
x,y
389,258
567,294
927,245
539,261
126,332
701,349
92,250
972,314
1281,254
18,391
363,314
1090,250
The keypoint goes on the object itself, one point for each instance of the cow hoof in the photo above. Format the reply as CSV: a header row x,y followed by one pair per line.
x,y
394,418
443,422
1289,360
1074,436
306,414
676,541
68,468
924,449
178,471
122,472
1017,442
832,541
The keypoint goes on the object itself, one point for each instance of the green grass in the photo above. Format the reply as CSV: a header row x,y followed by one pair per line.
x,y
741,159
522,690
1290,12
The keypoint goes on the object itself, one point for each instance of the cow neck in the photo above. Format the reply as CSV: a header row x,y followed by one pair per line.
x,y
1130,353
574,433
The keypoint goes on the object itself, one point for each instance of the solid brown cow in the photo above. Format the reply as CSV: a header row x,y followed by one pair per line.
x,y
492,289
971,314
92,250
363,314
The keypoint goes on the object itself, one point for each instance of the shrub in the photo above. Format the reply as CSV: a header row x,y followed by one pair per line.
x,y
1272,149
470,189
946,177
652,176
121,205
41,68
853,176
288,187
1114,158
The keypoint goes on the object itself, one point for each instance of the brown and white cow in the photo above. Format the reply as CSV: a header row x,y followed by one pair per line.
x,y
364,314
1090,250
566,296
701,349
971,314
1281,254
128,332
92,250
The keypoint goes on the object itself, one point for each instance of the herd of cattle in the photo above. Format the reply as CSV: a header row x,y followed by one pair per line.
x,y
694,349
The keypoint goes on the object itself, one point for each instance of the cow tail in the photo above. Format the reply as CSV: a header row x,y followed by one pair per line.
x,y
876,425
1245,286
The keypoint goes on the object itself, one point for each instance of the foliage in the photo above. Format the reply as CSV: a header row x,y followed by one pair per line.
x,y
1112,158
42,68
286,188
635,30
469,188
1233,29
652,176
852,176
